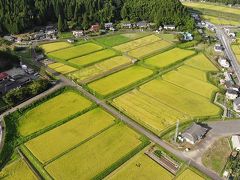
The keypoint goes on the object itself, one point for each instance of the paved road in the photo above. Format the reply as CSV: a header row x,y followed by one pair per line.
x,y
225,128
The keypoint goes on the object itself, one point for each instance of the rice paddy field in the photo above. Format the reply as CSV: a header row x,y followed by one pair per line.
x,y
119,80
51,111
113,40
236,49
193,72
55,46
93,57
100,68
75,132
137,43
169,57
62,68
75,51
17,170
149,49
220,21
188,174
149,169
214,7
91,158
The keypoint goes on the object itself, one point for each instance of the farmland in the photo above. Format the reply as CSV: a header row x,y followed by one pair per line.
x,y
75,131
188,174
51,111
119,80
220,21
94,156
149,49
100,68
93,57
17,170
169,57
75,51
113,40
137,43
193,72
54,46
147,169
62,68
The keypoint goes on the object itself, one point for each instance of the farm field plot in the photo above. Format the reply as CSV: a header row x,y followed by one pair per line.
x,y
75,131
93,57
185,101
113,40
51,111
100,68
94,156
54,46
149,49
75,51
169,57
220,21
236,49
189,175
213,7
17,170
193,72
62,68
197,86
200,61
147,111
137,43
119,80
149,169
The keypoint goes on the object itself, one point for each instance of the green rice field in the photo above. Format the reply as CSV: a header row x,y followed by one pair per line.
x,y
55,46
94,156
119,80
220,21
75,131
113,40
51,111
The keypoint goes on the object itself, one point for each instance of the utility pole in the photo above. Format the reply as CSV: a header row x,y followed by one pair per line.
x,y
176,133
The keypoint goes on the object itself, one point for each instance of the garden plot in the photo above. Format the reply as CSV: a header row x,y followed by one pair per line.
x,y
93,57
101,68
137,43
119,80
62,68
75,51
75,131
96,155
51,111
169,57
55,46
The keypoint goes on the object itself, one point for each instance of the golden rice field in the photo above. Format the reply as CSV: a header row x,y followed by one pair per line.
x,y
62,68
200,61
119,80
169,57
94,156
75,51
136,43
100,68
188,174
149,169
220,21
148,111
54,46
236,50
149,49
194,85
193,72
17,170
51,111
69,134
208,6
93,57
185,101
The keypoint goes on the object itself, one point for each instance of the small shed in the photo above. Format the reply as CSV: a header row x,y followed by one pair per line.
x,y
194,133
170,27
236,142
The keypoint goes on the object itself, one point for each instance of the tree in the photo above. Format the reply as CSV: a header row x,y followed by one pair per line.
x,y
60,23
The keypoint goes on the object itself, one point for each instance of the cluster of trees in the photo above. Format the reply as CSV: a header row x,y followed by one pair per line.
x,y
233,2
8,60
19,15
17,95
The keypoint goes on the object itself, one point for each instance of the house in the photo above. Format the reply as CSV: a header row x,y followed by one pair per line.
x,y
227,76
223,62
218,48
108,25
236,104
9,38
194,133
142,24
95,28
236,142
231,94
169,27
231,85
187,36
230,33
3,76
78,33
127,25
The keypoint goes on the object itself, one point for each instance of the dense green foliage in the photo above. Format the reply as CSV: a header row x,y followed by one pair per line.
x,y
7,60
18,15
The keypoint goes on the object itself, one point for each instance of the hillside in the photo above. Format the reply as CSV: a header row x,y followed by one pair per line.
x,y
19,15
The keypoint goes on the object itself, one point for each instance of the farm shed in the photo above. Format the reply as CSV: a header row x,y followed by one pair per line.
x,y
236,142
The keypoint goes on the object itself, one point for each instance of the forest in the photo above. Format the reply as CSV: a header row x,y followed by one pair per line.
x,y
17,16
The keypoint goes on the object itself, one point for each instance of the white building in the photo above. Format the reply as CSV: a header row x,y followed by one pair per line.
x,y
236,142
78,34
169,27
223,62
231,94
